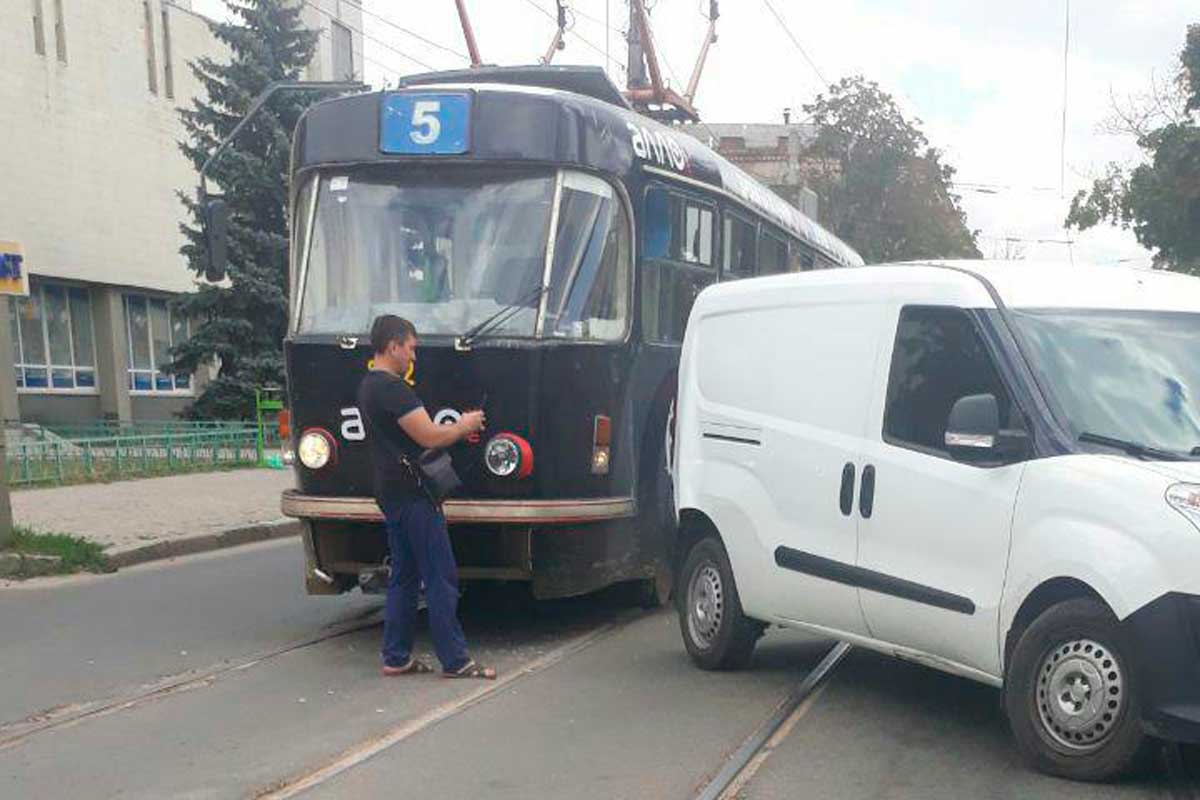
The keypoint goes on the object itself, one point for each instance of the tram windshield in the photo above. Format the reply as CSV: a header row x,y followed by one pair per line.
x,y
450,248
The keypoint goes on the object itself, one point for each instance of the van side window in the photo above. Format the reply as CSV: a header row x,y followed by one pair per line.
x,y
772,253
739,245
939,357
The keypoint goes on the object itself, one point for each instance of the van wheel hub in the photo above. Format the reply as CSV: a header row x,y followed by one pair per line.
x,y
706,605
1080,694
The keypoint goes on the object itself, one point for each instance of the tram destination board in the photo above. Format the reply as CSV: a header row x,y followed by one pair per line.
x,y
427,123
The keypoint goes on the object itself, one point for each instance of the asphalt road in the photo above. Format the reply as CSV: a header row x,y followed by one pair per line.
x,y
216,676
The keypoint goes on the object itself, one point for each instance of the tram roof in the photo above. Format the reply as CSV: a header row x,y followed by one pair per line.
x,y
575,120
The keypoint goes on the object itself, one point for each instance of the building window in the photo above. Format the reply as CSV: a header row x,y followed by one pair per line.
x,y
60,31
39,29
153,329
343,53
168,68
151,67
54,343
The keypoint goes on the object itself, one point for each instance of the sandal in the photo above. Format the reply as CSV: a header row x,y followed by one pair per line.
x,y
415,666
472,670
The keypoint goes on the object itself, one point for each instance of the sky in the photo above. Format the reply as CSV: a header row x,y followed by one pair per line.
x,y
986,80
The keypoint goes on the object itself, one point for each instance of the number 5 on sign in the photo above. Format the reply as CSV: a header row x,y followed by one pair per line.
x,y
425,123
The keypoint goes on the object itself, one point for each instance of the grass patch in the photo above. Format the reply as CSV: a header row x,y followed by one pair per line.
x,y
77,554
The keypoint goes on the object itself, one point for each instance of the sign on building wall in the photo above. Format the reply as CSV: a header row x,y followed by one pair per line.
x,y
13,277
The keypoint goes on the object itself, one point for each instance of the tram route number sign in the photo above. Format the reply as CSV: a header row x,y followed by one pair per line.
x,y
425,123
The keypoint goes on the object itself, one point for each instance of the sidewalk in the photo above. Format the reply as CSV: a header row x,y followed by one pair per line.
x,y
143,520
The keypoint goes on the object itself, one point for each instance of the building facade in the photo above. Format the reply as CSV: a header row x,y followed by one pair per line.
x,y
771,153
91,169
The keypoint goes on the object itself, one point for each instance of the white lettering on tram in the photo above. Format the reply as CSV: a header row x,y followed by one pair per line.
x,y
352,425
658,147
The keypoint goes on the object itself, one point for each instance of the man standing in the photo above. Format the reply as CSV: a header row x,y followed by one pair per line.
x,y
399,428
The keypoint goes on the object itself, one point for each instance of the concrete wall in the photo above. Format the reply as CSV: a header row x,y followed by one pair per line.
x,y
90,163
158,408
48,409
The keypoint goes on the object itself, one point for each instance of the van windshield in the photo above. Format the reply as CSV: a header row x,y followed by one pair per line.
x,y
449,248
1129,375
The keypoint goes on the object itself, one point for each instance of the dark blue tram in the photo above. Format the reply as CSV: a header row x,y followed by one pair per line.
x,y
548,243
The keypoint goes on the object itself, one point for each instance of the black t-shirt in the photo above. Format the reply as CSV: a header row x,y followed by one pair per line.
x,y
383,399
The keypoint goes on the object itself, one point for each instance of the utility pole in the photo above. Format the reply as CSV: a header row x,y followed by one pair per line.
x,y
636,64
6,518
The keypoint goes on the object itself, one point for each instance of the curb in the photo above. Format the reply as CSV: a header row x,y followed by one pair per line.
x,y
203,543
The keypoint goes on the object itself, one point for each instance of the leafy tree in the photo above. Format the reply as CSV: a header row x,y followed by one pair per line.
x,y
1159,200
242,324
883,189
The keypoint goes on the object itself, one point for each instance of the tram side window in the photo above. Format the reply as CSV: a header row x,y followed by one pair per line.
x,y
678,228
739,247
677,251
772,254
803,257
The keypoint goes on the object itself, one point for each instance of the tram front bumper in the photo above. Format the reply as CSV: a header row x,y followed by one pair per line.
x,y
508,539
467,511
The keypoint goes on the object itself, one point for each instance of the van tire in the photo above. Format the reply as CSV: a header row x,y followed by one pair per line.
x,y
721,636
1076,651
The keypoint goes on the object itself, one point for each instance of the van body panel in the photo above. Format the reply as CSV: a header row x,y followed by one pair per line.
x,y
1102,520
784,390
938,523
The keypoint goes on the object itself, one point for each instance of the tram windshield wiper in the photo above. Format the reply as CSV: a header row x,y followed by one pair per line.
x,y
499,318
1143,451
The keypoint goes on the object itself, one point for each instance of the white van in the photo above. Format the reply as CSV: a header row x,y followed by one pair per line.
x,y
988,468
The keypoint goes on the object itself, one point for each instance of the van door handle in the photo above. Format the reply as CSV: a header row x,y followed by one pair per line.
x,y
866,495
846,500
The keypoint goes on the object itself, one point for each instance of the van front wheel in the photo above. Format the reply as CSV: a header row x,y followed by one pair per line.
x,y
715,631
1071,694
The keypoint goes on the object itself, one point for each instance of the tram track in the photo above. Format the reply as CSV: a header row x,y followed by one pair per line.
x,y
740,767
13,734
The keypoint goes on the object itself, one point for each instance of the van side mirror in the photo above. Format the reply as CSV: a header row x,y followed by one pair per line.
x,y
973,431
215,215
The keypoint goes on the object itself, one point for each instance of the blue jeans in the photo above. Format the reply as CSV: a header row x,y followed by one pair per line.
x,y
420,548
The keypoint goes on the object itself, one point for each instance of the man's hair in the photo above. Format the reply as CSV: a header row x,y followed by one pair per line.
x,y
389,328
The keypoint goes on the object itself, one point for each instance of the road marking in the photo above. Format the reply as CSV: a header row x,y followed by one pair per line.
x,y
742,765
14,733
373,747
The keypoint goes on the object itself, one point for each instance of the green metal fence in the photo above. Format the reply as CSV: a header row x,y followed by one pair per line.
x,y
108,458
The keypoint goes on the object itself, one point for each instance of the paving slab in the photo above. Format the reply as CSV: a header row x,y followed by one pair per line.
x,y
154,518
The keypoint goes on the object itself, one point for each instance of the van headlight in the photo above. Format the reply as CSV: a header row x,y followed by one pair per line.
x,y
315,448
1185,498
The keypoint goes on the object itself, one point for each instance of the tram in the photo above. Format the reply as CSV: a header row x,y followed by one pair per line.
x,y
548,243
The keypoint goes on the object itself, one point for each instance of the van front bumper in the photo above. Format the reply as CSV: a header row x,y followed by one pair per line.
x,y
514,512
1166,645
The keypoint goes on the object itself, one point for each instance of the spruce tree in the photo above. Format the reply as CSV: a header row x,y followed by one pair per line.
x,y
242,324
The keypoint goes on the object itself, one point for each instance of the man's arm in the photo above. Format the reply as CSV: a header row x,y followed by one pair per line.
x,y
422,430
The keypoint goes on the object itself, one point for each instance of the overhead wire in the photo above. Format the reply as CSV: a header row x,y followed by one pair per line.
x,y
796,42
416,35
608,59
368,37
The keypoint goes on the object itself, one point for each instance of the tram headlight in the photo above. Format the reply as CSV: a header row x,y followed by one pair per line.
x,y
509,455
315,449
